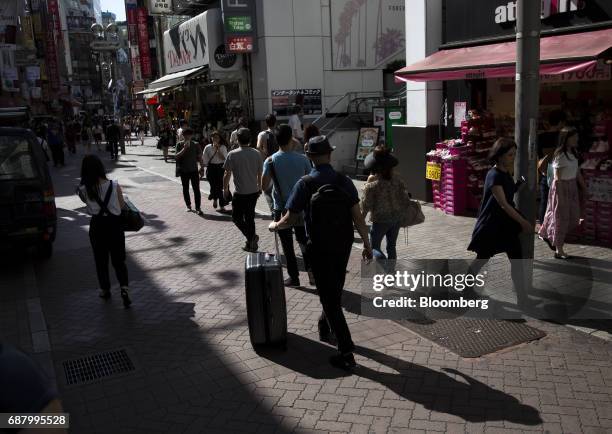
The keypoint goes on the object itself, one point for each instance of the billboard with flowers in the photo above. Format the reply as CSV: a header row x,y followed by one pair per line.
x,y
367,34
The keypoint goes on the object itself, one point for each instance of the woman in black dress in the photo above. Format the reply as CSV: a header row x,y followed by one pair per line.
x,y
499,223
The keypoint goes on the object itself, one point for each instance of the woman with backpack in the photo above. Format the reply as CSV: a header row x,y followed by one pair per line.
x,y
383,197
215,154
104,200
563,210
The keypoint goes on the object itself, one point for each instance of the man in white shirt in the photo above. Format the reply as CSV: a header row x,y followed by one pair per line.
x,y
179,132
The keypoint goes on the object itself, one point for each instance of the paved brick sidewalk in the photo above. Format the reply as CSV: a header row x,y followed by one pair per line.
x,y
196,371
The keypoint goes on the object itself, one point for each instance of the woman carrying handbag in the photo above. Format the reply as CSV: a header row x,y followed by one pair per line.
x,y
215,154
104,200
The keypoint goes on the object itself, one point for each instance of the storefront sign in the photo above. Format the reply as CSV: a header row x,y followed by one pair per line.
x,y
507,13
53,10
186,46
433,171
367,34
368,139
131,4
283,101
393,116
239,44
240,25
143,43
480,19
133,41
160,7
224,59
52,69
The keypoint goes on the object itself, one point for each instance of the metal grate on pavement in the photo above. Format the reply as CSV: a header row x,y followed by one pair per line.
x,y
472,338
97,366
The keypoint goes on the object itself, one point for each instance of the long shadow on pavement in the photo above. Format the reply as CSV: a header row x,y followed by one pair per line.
x,y
464,396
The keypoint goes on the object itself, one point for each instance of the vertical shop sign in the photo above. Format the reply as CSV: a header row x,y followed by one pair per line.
x,y
143,43
133,39
239,25
53,32
393,116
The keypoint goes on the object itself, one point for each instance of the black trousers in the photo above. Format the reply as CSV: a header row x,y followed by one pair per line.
x,y
329,269
243,213
57,154
214,174
113,146
517,270
108,239
194,178
286,237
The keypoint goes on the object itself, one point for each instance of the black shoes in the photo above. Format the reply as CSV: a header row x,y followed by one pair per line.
x,y
104,294
292,282
199,212
345,362
254,245
125,297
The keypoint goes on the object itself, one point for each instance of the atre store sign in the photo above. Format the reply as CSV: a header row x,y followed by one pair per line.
x,y
188,45
507,13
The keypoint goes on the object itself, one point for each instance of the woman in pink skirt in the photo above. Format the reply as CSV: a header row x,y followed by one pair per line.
x,y
563,211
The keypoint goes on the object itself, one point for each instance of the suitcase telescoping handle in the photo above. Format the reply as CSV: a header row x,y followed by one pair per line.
x,y
277,250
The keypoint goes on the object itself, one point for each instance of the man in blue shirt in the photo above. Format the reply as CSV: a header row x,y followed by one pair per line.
x,y
330,239
283,170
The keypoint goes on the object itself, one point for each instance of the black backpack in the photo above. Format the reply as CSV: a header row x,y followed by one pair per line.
x,y
271,143
331,220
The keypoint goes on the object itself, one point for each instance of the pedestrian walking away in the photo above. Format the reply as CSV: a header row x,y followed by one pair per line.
x,y
383,197
104,200
246,166
563,212
214,158
188,155
56,144
499,223
70,137
113,134
268,145
86,137
282,171
97,134
330,203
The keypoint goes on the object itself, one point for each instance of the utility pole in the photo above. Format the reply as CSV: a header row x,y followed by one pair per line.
x,y
526,109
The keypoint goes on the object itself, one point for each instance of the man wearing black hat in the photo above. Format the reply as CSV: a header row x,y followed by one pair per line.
x,y
330,203
246,164
188,155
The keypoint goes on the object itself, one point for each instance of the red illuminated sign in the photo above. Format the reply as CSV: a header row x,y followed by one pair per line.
x,y
239,44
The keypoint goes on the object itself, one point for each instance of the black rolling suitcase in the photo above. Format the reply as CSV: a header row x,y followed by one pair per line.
x,y
265,299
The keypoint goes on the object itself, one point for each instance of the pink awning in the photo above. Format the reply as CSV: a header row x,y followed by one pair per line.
x,y
558,55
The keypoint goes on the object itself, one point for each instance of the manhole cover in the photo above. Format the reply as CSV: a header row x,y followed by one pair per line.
x,y
473,337
147,179
97,366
